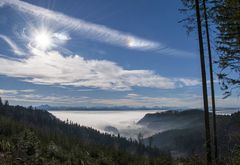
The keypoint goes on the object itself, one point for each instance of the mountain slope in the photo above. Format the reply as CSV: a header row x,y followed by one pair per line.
x,y
30,136
186,137
173,120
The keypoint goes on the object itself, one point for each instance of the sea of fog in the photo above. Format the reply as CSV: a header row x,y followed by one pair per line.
x,y
124,121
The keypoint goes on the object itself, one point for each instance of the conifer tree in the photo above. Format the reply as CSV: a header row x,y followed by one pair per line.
x,y
211,79
1,103
204,83
227,19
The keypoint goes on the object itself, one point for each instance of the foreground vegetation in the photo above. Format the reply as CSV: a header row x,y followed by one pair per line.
x,y
186,138
29,136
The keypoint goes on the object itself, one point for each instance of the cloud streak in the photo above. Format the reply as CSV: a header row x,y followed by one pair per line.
x,y
93,31
12,45
28,97
50,67
193,101
90,30
15,91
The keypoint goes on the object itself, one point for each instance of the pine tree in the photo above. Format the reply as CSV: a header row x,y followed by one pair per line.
x,y
224,16
6,104
1,103
204,83
227,19
211,80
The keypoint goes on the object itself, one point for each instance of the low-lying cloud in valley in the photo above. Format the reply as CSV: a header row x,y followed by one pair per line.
x,y
124,121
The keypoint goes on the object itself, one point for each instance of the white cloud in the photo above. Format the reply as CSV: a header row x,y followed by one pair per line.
x,y
53,68
12,45
187,82
132,95
171,51
62,36
194,101
93,31
89,30
1,4
15,91
29,97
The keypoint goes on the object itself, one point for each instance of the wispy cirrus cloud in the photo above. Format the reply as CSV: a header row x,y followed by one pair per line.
x,y
46,99
29,97
89,30
12,45
190,101
15,91
51,67
132,95
93,31
194,101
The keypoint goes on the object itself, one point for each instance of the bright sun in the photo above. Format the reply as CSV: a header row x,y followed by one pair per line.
x,y
43,39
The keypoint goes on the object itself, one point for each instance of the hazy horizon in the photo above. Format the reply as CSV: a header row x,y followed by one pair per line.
x,y
124,121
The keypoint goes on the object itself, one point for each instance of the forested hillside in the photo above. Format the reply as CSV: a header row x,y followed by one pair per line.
x,y
29,136
187,136
173,119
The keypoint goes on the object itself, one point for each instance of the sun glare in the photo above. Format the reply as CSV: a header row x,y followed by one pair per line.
x,y
43,40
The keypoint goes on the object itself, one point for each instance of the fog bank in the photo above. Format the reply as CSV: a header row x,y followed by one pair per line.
x,y
123,121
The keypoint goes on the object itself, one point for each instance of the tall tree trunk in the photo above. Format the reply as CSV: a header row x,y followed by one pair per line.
x,y
211,81
204,85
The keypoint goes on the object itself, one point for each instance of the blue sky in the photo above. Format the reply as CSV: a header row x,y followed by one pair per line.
x,y
99,53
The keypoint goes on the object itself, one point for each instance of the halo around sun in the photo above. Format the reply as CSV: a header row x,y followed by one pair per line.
x,y
42,39
45,38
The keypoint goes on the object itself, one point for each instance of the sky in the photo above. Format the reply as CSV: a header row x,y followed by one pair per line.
x,y
99,53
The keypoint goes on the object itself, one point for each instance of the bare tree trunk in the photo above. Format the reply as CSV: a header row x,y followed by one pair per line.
x,y
204,85
211,81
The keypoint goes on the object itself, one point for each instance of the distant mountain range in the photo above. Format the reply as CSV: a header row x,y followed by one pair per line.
x,y
111,108
100,108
